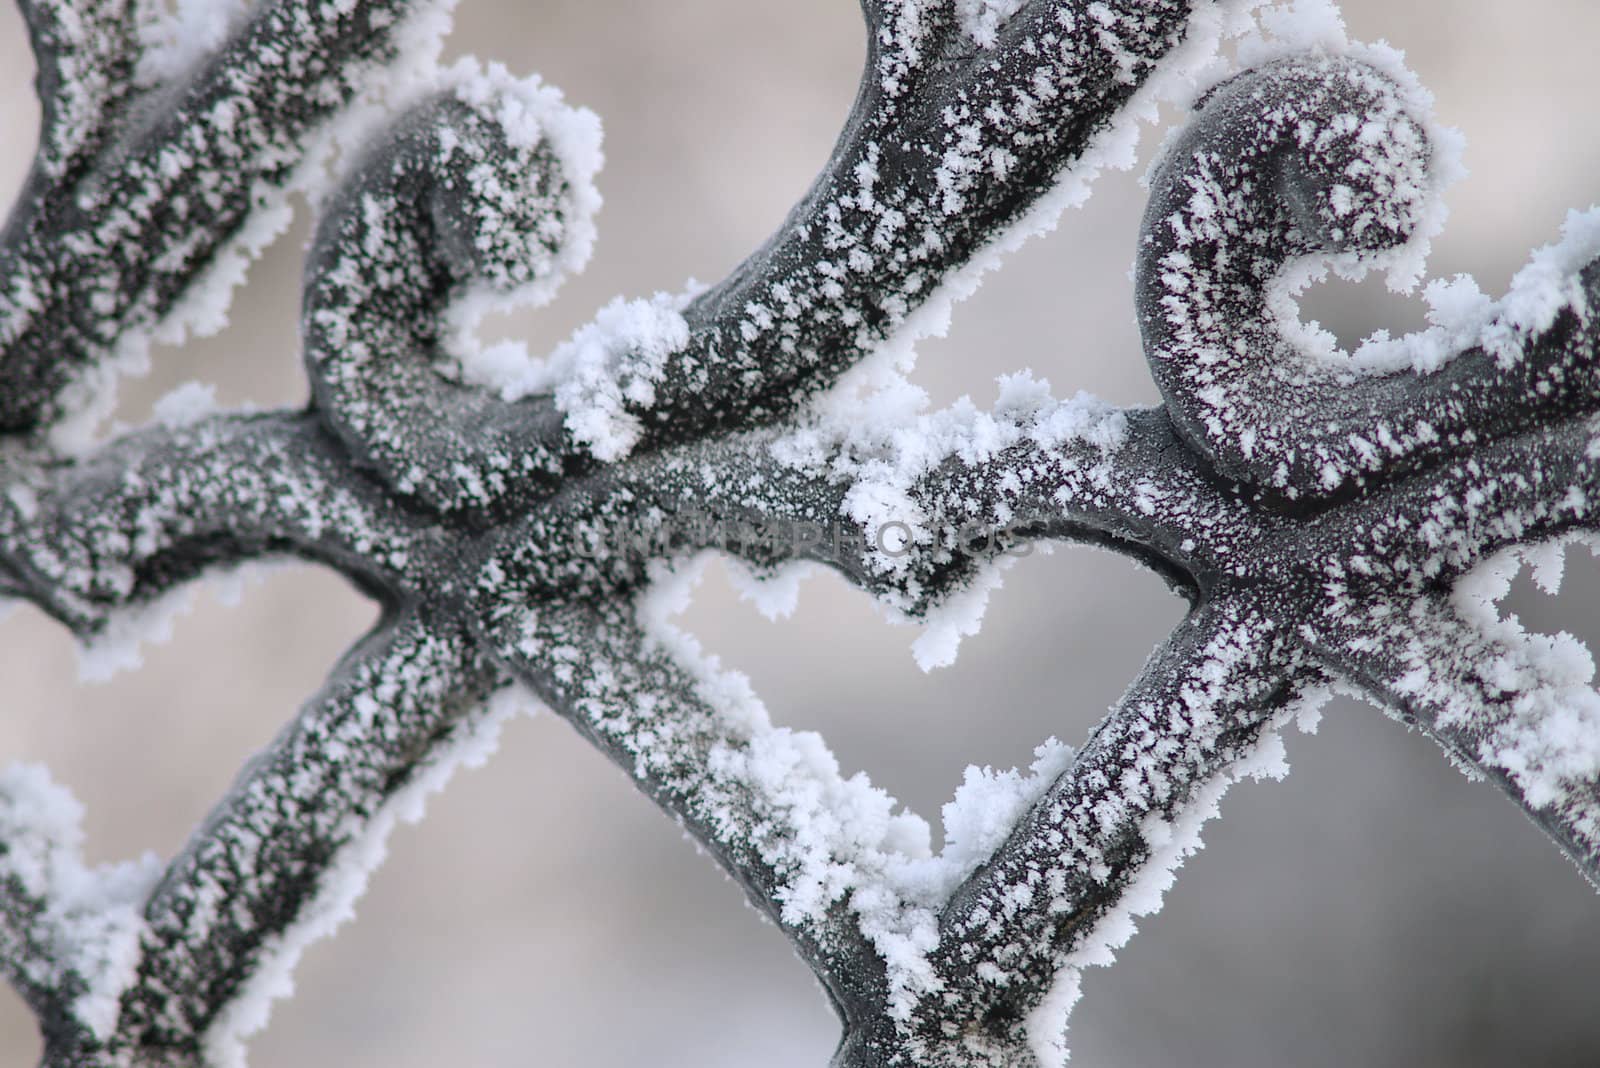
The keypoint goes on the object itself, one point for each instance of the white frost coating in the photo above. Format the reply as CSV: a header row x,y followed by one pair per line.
x,y
119,645
1545,287
1461,316
610,363
874,411
613,362
983,19
529,112
1547,734
775,594
186,405
1170,844
88,400
958,616
116,647
887,439
344,880
1458,315
986,806
203,309
174,39
1178,80
884,442
92,916
847,842
1317,27
386,92
176,34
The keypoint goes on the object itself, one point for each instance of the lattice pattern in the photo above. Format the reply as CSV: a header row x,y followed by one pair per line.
x,y
1319,512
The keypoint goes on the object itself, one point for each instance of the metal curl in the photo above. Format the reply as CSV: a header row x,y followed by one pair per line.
x,y
1303,156
443,202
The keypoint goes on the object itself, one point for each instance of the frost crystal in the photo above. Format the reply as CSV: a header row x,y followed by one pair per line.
x,y
531,526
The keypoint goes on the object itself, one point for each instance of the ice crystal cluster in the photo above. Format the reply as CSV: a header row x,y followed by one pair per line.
x,y
1335,520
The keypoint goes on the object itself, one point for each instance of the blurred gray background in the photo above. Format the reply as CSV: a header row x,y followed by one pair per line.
x,y
1374,909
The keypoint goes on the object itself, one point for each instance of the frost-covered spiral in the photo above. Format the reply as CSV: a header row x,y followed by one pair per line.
x,y
482,190
1313,155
